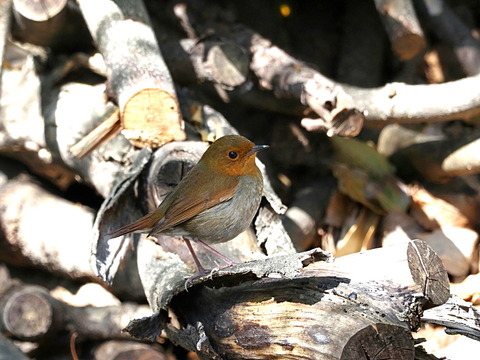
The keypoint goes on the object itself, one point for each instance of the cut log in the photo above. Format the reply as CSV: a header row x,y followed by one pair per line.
x,y
50,23
437,158
138,76
402,26
288,77
297,306
29,313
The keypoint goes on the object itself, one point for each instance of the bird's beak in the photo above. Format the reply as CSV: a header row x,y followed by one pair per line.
x,y
257,148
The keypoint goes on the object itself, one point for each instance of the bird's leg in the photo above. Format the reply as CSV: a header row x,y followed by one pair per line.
x,y
216,252
200,269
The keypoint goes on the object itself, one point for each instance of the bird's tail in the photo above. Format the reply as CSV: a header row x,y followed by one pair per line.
x,y
144,224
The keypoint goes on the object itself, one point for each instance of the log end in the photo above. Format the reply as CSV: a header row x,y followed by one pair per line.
x,y
408,46
28,315
428,272
152,118
393,342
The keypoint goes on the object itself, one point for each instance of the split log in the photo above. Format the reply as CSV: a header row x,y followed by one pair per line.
x,y
290,78
305,212
138,76
331,308
402,26
213,60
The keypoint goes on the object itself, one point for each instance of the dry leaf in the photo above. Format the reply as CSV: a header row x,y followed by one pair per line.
x,y
456,247
432,212
399,227
360,235
468,289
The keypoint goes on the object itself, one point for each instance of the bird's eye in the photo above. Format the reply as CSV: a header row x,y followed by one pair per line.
x,y
232,155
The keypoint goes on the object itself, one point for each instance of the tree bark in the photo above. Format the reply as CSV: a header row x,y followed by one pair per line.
x,y
29,313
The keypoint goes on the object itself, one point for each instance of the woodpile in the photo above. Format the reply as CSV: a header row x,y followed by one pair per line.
x,y
366,241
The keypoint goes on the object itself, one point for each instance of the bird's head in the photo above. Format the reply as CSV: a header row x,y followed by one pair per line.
x,y
232,155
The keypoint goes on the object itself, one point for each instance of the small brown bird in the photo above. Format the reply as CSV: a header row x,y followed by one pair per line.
x,y
215,202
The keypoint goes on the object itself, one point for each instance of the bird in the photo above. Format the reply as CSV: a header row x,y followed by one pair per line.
x,y
216,201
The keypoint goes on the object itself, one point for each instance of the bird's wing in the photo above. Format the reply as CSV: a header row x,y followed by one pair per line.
x,y
206,196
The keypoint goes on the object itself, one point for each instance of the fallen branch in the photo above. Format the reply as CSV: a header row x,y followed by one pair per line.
x,y
402,103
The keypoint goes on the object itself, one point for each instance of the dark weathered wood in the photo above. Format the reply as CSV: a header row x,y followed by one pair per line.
x,y
391,342
457,315
296,306
402,26
138,76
